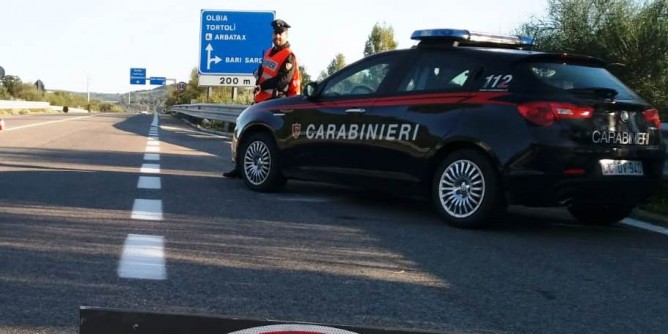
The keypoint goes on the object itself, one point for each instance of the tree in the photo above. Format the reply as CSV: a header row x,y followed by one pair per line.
x,y
630,35
337,63
381,39
12,84
193,91
4,94
306,78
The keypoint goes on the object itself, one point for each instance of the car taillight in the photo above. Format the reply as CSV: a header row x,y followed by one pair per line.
x,y
544,113
652,116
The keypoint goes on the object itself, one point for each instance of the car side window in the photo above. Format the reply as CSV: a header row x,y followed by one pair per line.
x,y
361,80
435,72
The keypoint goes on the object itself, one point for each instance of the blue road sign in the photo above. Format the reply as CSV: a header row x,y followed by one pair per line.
x,y
233,42
137,76
157,80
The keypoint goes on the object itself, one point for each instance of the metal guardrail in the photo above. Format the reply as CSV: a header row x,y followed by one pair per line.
x,y
210,111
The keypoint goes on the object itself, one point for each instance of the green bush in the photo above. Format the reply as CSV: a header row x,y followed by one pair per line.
x,y
659,202
4,94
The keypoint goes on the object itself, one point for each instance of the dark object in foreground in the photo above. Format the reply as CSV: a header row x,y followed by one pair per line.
x,y
233,174
112,321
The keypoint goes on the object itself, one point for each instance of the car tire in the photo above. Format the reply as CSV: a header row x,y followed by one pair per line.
x,y
259,163
600,214
466,191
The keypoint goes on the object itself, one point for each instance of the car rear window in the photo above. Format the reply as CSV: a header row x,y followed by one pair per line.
x,y
571,77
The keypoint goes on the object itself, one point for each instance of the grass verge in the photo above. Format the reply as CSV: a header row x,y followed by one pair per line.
x,y
659,202
24,111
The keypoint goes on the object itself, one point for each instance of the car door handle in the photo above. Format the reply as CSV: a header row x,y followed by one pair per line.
x,y
356,110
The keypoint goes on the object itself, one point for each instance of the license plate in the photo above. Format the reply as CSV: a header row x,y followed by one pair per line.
x,y
621,167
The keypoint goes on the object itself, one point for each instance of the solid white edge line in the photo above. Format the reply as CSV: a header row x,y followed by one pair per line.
x,y
45,123
143,257
147,209
645,226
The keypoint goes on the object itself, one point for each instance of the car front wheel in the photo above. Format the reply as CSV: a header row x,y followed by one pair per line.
x,y
465,190
260,163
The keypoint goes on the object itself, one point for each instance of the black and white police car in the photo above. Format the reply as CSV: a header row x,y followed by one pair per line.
x,y
473,121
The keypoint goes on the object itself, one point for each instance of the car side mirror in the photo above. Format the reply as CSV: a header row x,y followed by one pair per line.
x,y
310,89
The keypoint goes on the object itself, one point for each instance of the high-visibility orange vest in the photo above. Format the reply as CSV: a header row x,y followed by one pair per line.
x,y
270,67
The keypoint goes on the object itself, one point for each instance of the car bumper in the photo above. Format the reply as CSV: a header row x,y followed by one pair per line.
x,y
552,177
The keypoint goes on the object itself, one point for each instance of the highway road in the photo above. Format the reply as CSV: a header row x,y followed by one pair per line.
x,y
131,212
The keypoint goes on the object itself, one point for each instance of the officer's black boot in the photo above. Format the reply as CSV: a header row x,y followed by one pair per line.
x,y
232,174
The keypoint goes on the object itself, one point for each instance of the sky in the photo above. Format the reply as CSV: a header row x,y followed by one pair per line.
x,y
77,45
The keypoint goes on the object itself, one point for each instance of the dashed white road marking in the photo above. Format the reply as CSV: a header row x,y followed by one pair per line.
x,y
151,157
149,182
645,226
147,209
150,169
153,149
143,257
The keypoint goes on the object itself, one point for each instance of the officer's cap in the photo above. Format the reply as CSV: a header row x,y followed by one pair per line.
x,y
280,25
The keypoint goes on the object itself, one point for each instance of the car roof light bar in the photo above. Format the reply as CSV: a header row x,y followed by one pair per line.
x,y
472,38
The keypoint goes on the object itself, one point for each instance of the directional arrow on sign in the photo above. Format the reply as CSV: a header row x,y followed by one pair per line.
x,y
210,60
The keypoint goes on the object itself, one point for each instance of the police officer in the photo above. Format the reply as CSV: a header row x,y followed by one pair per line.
x,y
278,75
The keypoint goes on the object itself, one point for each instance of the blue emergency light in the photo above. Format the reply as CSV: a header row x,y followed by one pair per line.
x,y
472,38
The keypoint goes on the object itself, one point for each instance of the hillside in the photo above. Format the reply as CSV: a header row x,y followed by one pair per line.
x,y
134,101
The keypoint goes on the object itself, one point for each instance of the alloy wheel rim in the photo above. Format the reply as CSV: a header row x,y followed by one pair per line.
x,y
257,162
461,188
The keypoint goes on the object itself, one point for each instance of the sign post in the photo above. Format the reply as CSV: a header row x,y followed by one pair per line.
x,y
232,45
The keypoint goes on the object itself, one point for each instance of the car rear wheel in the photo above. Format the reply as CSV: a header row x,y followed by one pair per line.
x,y
465,190
260,163
600,213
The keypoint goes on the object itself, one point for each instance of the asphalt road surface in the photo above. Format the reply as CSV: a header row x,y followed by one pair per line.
x,y
131,212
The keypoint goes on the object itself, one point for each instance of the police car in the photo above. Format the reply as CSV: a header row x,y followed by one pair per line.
x,y
473,121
